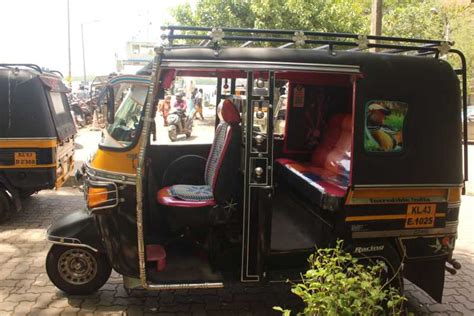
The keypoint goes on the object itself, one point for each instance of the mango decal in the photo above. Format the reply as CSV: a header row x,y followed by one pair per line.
x,y
384,126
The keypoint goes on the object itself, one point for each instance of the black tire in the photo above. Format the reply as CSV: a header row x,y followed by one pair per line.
x,y
393,275
64,265
172,133
5,206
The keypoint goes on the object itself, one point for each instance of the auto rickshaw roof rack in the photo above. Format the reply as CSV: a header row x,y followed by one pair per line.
x,y
245,37
33,67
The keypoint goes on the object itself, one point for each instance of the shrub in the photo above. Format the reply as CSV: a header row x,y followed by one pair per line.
x,y
338,284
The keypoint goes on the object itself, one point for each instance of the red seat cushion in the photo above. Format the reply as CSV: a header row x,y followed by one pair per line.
x,y
327,175
164,197
334,152
229,112
325,181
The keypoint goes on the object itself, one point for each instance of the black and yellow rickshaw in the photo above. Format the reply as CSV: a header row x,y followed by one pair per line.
x,y
36,134
362,157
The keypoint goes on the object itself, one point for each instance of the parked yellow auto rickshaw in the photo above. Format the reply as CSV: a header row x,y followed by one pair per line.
x,y
36,134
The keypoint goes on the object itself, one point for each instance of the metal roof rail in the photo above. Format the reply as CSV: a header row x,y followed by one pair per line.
x,y
296,38
31,66
55,72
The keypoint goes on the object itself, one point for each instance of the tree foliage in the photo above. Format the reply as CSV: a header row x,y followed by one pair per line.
x,y
403,18
318,15
223,13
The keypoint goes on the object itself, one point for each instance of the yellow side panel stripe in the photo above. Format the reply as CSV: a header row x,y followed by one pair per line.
x,y
28,143
381,217
454,195
397,193
51,165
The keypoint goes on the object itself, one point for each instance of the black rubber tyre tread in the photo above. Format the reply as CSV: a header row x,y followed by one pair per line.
x,y
103,271
172,134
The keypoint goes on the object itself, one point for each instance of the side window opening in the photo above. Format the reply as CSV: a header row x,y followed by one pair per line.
x,y
384,123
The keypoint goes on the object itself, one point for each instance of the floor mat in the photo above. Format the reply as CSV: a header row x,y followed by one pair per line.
x,y
184,267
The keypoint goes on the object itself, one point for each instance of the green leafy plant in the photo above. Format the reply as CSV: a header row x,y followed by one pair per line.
x,y
338,284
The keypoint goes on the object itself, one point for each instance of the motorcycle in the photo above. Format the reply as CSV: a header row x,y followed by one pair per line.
x,y
179,123
77,115
87,109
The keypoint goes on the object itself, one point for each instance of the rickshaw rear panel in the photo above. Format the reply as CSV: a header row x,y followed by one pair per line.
x,y
36,130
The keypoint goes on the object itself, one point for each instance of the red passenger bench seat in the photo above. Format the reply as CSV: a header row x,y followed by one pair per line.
x,y
323,180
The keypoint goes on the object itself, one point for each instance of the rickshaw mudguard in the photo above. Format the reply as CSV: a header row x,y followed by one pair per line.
x,y
428,275
77,229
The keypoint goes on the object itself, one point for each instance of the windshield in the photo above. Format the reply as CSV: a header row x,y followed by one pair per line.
x,y
130,100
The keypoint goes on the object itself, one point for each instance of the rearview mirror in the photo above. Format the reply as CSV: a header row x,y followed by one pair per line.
x,y
110,104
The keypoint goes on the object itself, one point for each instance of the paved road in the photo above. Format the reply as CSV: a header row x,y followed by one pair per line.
x,y
25,288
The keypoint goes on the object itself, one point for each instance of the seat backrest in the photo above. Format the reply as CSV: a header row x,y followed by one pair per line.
x,y
224,158
334,152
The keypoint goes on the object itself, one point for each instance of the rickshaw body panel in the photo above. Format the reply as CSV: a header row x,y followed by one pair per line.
x,y
115,224
118,229
432,130
116,161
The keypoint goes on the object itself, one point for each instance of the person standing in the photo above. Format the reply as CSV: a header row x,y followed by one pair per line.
x,y
153,122
198,104
191,100
164,108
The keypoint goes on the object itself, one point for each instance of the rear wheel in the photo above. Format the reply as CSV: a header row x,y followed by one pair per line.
x,y
392,274
77,270
5,206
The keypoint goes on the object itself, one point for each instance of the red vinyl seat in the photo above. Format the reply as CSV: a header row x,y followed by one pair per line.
x,y
324,180
222,165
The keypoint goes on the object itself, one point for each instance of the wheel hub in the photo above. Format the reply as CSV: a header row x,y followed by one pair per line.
x,y
77,266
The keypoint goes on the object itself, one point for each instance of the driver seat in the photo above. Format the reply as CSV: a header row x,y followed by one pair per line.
x,y
221,173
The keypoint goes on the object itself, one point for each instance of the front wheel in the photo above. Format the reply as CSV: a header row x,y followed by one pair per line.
x,y
172,133
77,270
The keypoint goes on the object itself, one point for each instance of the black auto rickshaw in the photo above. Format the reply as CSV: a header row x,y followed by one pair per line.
x,y
36,134
360,156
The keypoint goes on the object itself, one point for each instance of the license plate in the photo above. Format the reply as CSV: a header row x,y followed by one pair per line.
x,y
25,158
420,215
